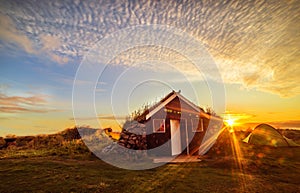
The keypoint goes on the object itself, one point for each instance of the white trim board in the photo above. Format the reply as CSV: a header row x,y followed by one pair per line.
x,y
174,95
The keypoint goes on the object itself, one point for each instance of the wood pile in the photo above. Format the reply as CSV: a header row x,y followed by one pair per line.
x,y
134,136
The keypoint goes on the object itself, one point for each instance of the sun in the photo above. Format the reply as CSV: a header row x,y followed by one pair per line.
x,y
230,122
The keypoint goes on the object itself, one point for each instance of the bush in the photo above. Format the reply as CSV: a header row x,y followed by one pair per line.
x,y
2,143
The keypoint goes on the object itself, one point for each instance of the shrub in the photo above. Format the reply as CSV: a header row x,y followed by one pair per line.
x,y
2,143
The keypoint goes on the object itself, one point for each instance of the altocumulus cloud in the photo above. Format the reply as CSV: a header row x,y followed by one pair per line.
x,y
255,43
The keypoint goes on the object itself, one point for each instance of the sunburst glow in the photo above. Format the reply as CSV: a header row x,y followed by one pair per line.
x,y
230,122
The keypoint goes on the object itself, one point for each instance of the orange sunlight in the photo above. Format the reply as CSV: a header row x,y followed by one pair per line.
x,y
238,156
230,122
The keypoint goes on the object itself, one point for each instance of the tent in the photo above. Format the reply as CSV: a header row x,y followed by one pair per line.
x,y
265,134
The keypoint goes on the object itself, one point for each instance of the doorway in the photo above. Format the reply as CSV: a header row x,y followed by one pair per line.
x,y
175,137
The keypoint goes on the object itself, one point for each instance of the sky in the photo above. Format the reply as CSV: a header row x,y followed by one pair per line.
x,y
66,63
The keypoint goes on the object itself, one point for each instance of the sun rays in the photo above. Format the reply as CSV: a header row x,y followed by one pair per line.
x,y
237,156
230,122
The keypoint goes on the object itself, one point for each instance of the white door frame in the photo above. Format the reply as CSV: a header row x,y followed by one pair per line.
x,y
175,136
186,136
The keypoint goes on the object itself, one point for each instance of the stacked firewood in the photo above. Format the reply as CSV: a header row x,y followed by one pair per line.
x,y
134,136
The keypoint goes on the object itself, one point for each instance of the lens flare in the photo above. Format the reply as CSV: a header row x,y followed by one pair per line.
x,y
230,122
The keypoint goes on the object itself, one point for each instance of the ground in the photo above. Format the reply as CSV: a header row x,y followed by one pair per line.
x,y
69,169
64,174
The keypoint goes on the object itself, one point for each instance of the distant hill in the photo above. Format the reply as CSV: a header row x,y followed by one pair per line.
x,y
75,133
45,140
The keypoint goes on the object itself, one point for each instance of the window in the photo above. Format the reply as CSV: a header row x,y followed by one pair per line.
x,y
159,126
197,126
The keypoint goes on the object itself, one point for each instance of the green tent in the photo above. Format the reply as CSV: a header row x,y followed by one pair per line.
x,y
265,134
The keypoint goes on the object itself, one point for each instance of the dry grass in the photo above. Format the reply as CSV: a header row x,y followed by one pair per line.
x,y
70,167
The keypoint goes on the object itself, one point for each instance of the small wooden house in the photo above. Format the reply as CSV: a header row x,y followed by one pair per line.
x,y
175,125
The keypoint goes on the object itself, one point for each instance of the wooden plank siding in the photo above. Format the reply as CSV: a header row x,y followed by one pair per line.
x,y
160,143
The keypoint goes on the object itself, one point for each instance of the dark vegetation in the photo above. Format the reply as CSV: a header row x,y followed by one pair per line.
x,y
66,143
291,134
62,163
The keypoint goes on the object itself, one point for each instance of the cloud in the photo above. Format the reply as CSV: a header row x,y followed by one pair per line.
x,y
289,124
70,81
59,59
49,45
255,43
15,100
238,117
101,117
9,33
111,117
5,118
9,109
50,42
21,104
